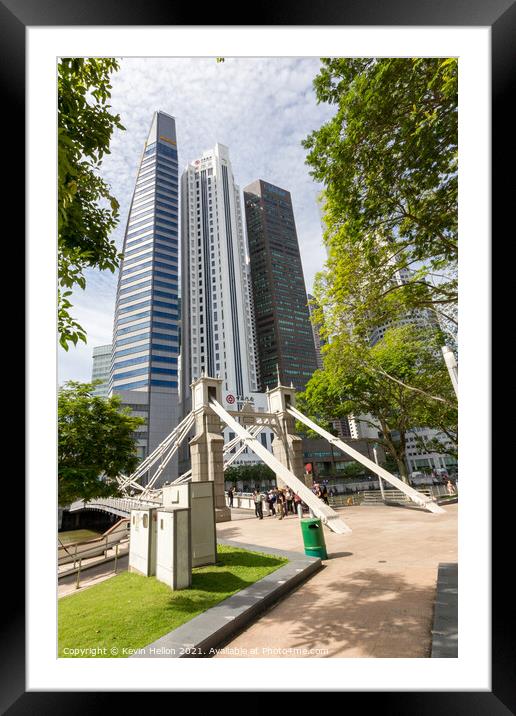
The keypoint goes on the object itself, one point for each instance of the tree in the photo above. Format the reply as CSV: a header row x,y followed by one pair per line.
x,y
87,211
255,473
353,469
388,160
95,443
393,380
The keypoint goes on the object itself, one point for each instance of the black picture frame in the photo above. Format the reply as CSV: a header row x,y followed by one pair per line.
x,y
500,16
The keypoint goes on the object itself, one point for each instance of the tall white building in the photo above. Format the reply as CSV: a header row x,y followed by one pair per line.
x,y
218,332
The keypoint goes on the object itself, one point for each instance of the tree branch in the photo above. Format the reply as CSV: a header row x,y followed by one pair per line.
x,y
411,387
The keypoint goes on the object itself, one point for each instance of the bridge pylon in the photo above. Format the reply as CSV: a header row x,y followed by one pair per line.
x,y
287,447
207,445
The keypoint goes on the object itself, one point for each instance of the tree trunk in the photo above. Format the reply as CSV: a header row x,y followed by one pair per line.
x,y
397,454
402,470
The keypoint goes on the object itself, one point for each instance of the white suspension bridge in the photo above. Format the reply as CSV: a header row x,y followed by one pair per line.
x,y
210,457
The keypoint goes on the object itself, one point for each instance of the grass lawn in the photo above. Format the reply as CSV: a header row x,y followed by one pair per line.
x,y
131,611
77,535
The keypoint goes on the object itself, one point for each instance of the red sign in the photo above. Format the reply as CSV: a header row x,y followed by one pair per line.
x,y
230,399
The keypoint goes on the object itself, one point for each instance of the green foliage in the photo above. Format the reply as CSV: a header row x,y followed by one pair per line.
x,y
95,443
87,211
255,473
394,381
353,469
388,160
390,464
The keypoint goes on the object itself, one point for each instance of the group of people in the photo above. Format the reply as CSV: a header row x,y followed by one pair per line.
x,y
281,502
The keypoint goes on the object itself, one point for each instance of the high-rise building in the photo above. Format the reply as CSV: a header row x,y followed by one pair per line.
x,y
283,330
145,338
218,334
101,368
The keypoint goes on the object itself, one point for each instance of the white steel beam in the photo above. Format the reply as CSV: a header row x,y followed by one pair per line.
x,y
328,516
412,494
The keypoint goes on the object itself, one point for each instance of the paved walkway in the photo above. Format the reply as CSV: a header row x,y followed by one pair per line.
x,y
374,597
91,576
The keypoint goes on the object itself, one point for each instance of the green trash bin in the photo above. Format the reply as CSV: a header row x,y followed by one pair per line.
x,y
313,538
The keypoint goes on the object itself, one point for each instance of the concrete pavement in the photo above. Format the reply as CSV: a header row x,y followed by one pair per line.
x,y
374,597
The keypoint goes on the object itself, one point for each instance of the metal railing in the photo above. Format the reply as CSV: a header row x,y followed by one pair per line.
x,y
390,495
79,567
118,505
77,552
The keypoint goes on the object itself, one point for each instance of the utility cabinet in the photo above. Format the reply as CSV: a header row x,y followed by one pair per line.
x,y
173,548
142,541
199,497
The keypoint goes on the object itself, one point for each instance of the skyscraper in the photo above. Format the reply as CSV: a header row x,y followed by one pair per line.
x,y
283,330
218,334
145,338
101,369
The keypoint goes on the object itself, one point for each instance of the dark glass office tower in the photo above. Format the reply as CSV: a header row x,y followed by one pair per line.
x,y
144,369
283,329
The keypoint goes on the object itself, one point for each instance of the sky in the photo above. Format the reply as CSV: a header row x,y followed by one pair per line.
x,y
260,108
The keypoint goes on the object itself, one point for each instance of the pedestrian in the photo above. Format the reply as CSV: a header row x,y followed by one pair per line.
x,y
290,500
271,499
230,496
280,503
297,504
449,487
257,496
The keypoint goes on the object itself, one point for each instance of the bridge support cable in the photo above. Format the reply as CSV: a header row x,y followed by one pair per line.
x,y
254,431
182,432
318,507
414,495
124,482
170,441
186,476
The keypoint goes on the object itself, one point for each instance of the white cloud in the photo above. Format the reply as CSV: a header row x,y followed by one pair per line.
x,y
260,108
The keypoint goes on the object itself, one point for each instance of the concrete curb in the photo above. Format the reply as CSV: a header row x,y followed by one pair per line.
x,y
217,625
445,627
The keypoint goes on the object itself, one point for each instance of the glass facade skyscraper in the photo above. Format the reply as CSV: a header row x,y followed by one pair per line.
x,y
144,368
283,329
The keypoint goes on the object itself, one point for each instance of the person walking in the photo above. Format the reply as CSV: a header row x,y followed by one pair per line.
x,y
271,499
280,503
297,504
289,497
257,496
230,496
324,494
